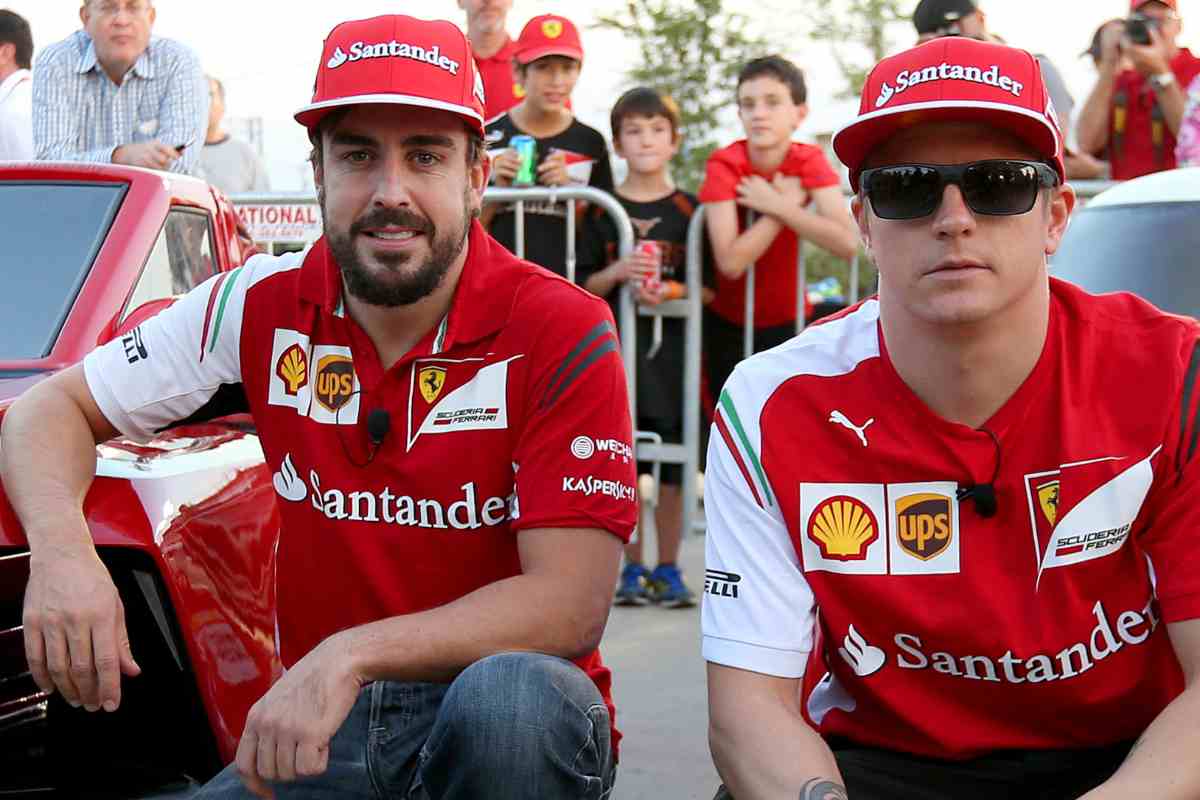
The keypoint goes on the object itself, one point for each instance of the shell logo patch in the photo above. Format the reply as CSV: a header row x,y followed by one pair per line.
x,y
843,527
292,369
552,28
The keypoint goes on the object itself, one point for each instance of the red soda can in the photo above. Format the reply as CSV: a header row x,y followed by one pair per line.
x,y
652,282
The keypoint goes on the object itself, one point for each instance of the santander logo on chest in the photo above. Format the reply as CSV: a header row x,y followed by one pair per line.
x,y
987,76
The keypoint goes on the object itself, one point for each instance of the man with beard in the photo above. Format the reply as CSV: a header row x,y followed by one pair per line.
x,y
438,618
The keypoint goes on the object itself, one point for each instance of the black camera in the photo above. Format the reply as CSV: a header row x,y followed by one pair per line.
x,y
1137,28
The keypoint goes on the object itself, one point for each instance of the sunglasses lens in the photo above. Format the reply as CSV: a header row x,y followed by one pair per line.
x,y
904,192
1000,188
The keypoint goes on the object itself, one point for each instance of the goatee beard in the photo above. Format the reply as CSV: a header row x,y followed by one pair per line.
x,y
392,287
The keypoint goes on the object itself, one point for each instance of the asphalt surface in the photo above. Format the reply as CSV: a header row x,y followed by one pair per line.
x,y
659,690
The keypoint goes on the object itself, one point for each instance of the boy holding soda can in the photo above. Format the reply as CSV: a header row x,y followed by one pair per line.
x,y
540,142
645,128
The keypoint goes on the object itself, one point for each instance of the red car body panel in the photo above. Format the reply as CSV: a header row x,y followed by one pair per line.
x,y
197,501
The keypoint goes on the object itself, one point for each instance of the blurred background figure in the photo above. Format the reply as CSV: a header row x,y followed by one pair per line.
x,y
1136,108
228,163
112,92
487,28
16,88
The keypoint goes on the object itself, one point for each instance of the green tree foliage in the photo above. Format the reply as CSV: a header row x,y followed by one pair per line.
x,y
859,33
691,50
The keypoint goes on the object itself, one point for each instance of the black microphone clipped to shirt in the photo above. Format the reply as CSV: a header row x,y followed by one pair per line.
x,y
984,497
379,422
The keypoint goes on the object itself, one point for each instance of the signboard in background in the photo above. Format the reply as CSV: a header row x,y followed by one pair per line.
x,y
270,224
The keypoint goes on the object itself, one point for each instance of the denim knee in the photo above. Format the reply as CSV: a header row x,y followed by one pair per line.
x,y
520,725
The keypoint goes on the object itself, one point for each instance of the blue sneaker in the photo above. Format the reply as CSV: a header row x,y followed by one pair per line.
x,y
667,588
632,590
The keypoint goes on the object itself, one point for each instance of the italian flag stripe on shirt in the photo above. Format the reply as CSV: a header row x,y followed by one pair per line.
x,y
730,425
213,331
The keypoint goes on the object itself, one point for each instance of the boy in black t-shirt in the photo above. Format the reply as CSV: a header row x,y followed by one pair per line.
x,y
645,128
547,60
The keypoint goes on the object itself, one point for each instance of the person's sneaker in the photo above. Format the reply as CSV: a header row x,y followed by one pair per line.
x,y
632,589
667,588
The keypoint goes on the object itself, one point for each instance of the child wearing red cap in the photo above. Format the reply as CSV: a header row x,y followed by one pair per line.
x,y
546,64
794,193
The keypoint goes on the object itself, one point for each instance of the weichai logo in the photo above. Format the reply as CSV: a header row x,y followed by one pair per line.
x,y
923,524
843,527
335,381
292,369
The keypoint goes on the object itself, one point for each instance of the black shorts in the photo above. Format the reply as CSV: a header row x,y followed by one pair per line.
x,y
672,434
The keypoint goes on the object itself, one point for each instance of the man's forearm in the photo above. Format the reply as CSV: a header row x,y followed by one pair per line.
x,y
824,233
524,613
748,247
1092,128
1163,763
1173,102
774,756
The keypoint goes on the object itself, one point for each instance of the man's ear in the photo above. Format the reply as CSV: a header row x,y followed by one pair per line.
x,y
84,14
153,15
1061,204
861,218
8,53
801,114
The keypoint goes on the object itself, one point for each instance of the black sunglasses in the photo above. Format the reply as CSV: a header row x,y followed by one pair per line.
x,y
996,188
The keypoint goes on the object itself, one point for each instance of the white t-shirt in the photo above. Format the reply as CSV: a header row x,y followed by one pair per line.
x,y
16,117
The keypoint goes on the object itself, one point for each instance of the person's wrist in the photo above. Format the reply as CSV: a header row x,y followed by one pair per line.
x,y
1162,79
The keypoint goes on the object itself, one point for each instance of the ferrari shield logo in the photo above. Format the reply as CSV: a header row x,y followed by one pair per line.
x,y
432,379
552,28
1048,499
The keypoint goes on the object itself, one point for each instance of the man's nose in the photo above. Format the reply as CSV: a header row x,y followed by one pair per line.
x,y
953,217
391,185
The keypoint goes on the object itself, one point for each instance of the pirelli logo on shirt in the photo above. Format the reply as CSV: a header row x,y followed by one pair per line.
x,y
877,529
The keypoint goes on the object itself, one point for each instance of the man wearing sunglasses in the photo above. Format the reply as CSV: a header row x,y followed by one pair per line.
x,y
952,544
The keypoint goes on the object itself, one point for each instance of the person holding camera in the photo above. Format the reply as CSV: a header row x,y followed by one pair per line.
x,y
1134,115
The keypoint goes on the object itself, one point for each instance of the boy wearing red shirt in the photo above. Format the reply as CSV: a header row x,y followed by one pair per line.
x,y
793,193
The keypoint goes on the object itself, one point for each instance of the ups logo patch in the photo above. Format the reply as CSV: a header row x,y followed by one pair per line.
x,y
923,524
335,381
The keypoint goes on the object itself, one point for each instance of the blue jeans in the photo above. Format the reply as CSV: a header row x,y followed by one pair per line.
x,y
513,725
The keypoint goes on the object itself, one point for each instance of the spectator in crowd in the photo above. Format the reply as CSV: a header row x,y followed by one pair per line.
x,y
113,93
548,58
16,88
795,194
1187,151
487,28
936,18
645,131
936,577
1134,115
228,163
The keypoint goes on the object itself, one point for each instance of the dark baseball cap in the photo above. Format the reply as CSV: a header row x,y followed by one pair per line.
x,y
932,16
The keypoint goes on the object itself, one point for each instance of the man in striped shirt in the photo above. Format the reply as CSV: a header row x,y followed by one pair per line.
x,y
113,93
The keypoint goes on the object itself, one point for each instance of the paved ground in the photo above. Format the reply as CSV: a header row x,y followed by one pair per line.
x,y
659,689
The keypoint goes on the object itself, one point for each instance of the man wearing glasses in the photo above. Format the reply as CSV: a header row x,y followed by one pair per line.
x,y
113,93
1135,114
951,532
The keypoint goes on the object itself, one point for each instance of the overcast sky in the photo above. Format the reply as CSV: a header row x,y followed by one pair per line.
x,y
266,51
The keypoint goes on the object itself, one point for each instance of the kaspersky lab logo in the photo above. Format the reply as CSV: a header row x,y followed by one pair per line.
x,y
906,79
392,49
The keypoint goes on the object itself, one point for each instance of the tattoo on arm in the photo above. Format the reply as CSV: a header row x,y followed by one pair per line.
x,y
822,789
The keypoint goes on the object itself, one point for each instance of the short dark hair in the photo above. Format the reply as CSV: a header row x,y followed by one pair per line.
x,y
779,68
644,102
15,30
475,146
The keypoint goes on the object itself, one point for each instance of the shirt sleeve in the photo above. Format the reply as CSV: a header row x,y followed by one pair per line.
x,y
184,110
720,181
758,612
818,173
596,244
602,177
1172,537
176,363
56,119
573,457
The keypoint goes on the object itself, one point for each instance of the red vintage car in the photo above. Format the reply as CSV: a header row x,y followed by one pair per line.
x,y
186,523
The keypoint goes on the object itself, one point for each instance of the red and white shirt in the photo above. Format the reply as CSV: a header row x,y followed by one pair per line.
x,y
837,551
512,414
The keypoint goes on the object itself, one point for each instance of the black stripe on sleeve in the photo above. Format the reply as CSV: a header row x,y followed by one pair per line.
x,y
1189,387
595,333
608,347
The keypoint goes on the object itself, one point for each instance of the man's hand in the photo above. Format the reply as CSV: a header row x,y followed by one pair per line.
x,y
288,731
505,165
152,155
553,169
74,623
1148,59
1110,44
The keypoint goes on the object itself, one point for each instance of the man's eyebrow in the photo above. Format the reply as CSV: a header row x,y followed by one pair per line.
x,y
429,140
347,139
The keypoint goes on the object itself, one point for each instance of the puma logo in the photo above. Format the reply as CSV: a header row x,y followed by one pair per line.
x,y
838,418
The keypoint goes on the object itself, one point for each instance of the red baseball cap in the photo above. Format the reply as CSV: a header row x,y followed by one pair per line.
x,y
954,78
401,60
1134,5
548,35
